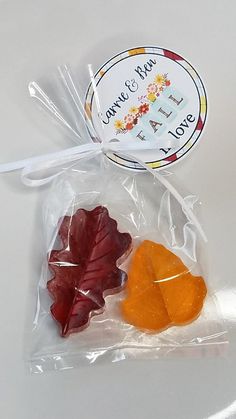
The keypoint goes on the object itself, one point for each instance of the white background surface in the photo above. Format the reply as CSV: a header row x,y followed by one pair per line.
x,y
34,38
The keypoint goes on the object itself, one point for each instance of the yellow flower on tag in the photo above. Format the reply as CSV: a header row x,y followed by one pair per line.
x,y
159,79
203,104
133,110
119,124
152,97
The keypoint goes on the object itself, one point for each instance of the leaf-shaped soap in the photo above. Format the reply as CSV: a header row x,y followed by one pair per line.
x,y
86,267
161,291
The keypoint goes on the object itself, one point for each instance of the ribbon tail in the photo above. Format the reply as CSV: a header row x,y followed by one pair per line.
x,y
55,160
49,165
49,161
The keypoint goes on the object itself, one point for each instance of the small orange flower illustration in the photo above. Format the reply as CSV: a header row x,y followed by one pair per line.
x,y
129,126
144,108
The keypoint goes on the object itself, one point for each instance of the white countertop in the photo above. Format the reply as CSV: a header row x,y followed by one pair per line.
x,y
34,38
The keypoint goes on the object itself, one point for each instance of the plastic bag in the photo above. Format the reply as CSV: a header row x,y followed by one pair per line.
x,y
147,211
153,215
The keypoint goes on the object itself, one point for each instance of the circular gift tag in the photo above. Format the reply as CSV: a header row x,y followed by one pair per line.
x,y
148,94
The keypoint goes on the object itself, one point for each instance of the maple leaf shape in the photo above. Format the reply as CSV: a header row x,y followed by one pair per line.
x,y
86,267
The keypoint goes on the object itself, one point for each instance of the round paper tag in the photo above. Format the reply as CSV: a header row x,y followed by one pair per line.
x,y
148,94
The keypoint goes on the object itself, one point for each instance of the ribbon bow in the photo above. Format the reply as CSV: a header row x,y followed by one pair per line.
x,y
89,150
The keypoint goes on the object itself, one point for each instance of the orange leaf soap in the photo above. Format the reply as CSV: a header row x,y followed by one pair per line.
x,y
161,291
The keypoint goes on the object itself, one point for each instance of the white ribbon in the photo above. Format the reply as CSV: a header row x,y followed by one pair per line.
x,y
90,150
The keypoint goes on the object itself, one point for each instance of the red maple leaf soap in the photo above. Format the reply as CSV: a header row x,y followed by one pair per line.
x,y
85,268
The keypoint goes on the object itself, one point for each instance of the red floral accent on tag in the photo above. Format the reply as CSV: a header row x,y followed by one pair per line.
x,y
172,55
199,124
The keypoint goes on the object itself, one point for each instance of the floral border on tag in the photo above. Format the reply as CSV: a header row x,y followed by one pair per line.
x,y
154,90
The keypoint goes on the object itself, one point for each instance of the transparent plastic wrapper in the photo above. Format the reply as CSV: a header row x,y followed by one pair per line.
x,y
147,211
124,271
